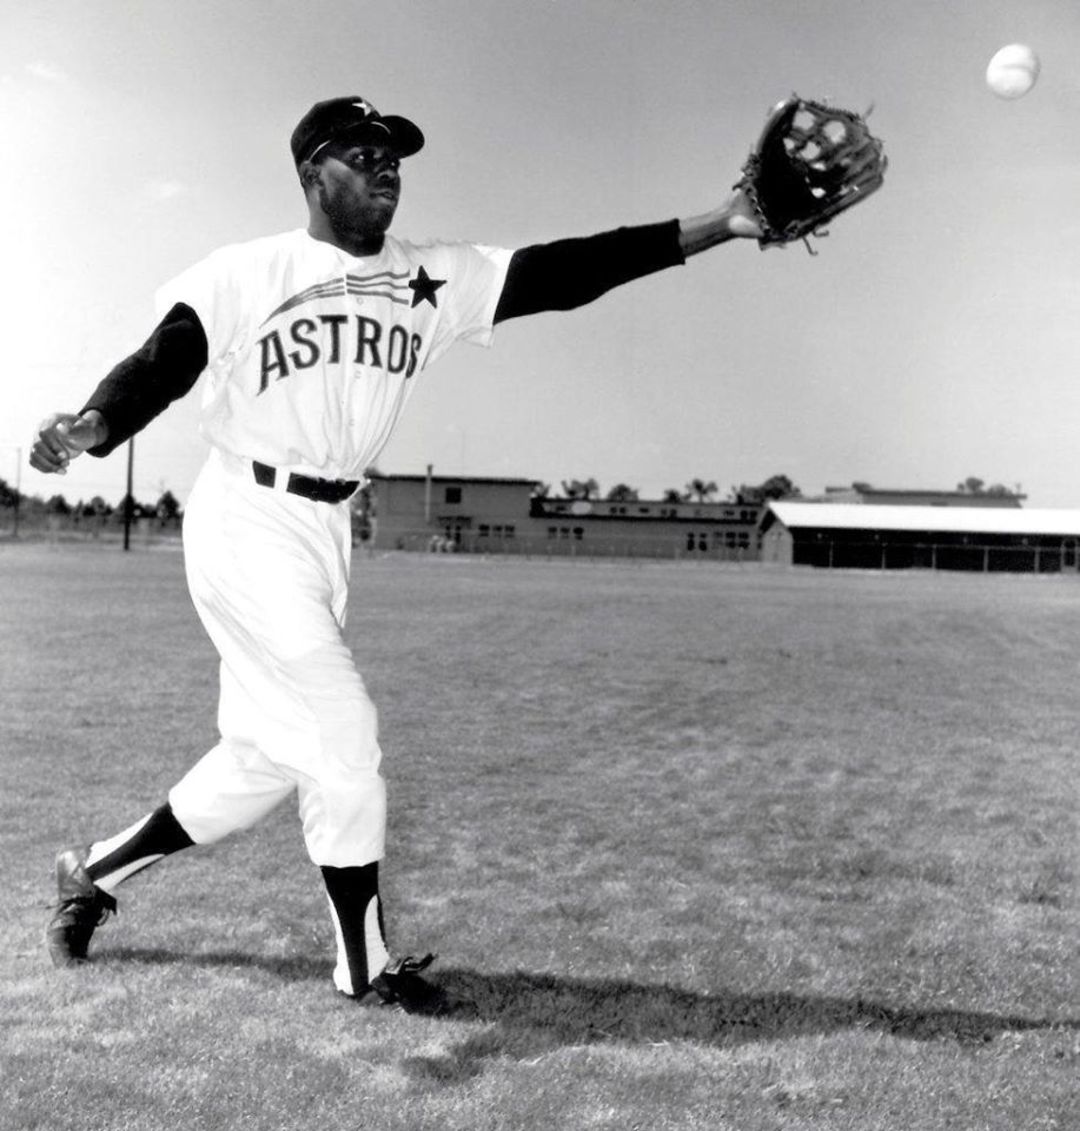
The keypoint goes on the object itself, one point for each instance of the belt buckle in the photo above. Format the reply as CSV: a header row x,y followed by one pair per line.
x,y
268,476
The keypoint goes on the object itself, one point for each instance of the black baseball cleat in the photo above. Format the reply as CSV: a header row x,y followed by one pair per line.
x,y
82,907
401,987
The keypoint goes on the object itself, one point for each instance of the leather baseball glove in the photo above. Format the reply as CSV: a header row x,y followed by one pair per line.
x,y
810,162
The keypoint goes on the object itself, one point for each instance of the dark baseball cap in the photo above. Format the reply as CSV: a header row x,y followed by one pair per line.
x,y
353,118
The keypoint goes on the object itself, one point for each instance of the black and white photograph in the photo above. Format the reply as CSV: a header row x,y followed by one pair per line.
x,y
540,565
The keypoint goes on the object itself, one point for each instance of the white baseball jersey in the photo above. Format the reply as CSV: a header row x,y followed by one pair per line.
x,y
313,352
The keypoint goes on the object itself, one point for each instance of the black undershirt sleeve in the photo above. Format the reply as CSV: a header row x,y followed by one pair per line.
x,y
569,273
143,385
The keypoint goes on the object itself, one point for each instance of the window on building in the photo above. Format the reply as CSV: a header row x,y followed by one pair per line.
x,y
579,533
453,495
697,540
483,530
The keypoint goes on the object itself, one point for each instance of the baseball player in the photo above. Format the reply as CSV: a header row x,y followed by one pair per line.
x,y
309,344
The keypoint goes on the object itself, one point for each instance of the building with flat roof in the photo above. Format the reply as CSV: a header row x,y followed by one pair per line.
x,y
469,514
839,535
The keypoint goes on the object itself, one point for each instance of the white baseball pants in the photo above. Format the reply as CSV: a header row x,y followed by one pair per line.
x,y
268,573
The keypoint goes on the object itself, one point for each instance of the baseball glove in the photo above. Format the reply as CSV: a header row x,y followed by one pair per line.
x,y
810,162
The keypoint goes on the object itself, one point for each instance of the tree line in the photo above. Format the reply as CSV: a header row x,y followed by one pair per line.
x,y
697,491
166,508
707,490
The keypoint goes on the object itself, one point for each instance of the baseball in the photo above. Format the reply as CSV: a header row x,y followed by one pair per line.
x,y
1012,71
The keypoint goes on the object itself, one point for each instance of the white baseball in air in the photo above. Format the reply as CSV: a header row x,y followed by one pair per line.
x,y
1012,71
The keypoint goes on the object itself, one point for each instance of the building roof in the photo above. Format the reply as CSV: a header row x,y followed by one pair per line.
x,y
452,479
965,520
864,493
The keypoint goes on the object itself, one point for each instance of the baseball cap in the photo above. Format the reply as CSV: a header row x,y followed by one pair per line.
x,y
338,118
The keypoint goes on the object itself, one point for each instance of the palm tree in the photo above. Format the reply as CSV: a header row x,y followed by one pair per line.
x,y
700,490
621,493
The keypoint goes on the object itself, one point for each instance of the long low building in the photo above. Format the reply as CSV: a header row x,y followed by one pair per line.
x,y
842,536
466,514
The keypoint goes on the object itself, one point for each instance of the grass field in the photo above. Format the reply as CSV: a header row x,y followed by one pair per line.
x,y
707,847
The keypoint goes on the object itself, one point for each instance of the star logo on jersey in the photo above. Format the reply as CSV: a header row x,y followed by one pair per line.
x,y
424,287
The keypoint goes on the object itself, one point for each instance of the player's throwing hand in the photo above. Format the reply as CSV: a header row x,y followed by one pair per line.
x,y
63,436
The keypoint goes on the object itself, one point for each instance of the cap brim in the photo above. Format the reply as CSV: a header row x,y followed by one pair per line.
x,y
402,135
408,138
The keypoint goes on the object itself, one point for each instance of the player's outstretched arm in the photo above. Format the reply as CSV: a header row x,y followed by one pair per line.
x,y
569,273
734,219
65,435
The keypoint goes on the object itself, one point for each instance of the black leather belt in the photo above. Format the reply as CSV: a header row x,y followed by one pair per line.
x,y
307,486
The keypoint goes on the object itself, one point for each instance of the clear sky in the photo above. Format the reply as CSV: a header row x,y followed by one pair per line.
x,y
934,337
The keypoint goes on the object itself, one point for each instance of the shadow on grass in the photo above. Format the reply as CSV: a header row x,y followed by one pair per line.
x,y
295,968
580,1011
532,1014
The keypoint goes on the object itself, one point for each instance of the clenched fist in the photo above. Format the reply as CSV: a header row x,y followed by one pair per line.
x,y
63,436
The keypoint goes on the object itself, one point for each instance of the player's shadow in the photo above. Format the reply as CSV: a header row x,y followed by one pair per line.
x,y
531,1014
526,1015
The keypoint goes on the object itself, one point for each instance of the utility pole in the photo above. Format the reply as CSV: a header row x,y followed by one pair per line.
x,y
18,492
129,499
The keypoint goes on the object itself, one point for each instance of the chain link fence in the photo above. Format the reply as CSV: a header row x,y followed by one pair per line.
x,y
590,546
38,526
